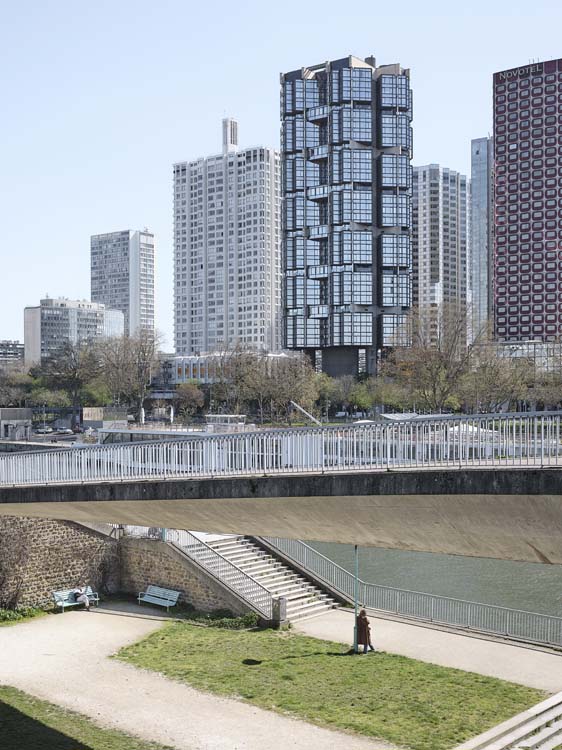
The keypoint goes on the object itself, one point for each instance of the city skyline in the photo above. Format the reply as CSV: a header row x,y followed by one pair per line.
x,y
128,167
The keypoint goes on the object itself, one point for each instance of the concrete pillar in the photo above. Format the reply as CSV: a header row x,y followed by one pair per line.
x,y
279,611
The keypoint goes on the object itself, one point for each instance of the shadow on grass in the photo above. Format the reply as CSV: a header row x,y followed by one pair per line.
x,y
18,730
256,662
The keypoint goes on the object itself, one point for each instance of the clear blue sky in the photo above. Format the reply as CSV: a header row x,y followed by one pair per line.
x,y
99,99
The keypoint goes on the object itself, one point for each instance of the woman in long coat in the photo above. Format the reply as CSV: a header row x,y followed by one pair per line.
x,y
364,632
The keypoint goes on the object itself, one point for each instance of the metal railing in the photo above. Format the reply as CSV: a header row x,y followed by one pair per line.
x,y
483,618
229,574
498,440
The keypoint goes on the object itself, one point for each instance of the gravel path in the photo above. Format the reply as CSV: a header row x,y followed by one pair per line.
x,y
64,659
520,664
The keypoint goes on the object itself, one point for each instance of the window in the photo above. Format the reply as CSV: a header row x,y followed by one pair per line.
x,y
361,84
395,250
395,330
395,210
363,206
361,124
395,91
395,171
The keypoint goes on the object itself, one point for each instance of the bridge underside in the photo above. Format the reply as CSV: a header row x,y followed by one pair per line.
x,y
509,514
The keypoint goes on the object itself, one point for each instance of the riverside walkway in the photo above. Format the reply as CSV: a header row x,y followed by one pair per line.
x,y
522,664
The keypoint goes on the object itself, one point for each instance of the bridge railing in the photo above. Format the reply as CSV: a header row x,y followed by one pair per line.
x,y
504,440
229,574
483,618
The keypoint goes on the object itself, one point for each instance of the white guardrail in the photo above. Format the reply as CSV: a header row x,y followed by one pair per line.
x,y
496,440
483,618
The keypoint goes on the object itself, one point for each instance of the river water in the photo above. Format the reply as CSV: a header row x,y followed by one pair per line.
x,y
531,586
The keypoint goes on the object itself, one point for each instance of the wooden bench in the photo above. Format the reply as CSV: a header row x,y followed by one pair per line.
x,y
158,595
66,598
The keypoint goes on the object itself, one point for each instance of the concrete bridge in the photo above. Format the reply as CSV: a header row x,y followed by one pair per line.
x,y
485,486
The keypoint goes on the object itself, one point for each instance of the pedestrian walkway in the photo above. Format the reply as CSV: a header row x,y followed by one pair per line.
x,y
65,659
526,666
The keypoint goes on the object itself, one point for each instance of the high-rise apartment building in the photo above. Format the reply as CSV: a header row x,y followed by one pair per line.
x,y
11,352
481,235
56,322
346,149
441,244
122,276
227,270
528,202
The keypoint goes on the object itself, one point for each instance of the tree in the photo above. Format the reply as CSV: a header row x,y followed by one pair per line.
x,y
127,364
387,392
492,380
71,369
15,385
188,398
361,396
326,388
432,368
343,391
293,379
14,547
47,397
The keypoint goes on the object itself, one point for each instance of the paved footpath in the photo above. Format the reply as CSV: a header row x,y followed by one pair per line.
x,y
527,666
64,659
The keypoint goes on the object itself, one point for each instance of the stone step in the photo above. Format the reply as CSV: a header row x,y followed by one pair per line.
x,y
304,599
309,611
289,589
304,596
513,730
546,739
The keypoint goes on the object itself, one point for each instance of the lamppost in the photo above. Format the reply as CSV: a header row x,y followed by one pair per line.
x,y
356,597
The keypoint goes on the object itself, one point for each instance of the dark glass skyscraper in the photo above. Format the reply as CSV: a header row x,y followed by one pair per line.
x,y
528,202
347,215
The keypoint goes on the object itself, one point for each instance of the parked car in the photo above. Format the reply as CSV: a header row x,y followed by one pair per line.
x,y
64,431
44,430
341,414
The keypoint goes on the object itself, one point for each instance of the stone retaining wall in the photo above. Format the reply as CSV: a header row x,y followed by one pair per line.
x,y
38,556
149,561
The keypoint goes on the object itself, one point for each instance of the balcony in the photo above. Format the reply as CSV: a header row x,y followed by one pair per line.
x,y
314,114
318,232
318,152
316,193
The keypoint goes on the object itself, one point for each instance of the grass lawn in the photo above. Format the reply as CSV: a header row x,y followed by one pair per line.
x,y
27,723
10,617
406,702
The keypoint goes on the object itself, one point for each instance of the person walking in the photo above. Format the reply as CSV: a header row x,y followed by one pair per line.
x,y
364,632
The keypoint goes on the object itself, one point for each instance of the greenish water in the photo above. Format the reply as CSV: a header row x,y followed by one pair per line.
x,y
529,586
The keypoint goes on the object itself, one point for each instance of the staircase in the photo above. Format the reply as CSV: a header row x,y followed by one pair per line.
x,y
540,728
304,599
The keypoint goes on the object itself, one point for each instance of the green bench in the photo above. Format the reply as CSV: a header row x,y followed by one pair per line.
x,y
65,598
158,595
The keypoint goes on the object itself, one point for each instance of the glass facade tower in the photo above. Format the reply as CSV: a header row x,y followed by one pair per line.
x,y
482,225
347,214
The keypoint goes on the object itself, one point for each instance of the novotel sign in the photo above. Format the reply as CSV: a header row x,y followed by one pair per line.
x,y
526,70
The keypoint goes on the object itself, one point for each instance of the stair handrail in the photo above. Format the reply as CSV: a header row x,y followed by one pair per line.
x,y
290,548
258,597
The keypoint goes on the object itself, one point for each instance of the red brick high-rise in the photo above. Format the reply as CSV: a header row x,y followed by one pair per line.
x,y
528,202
